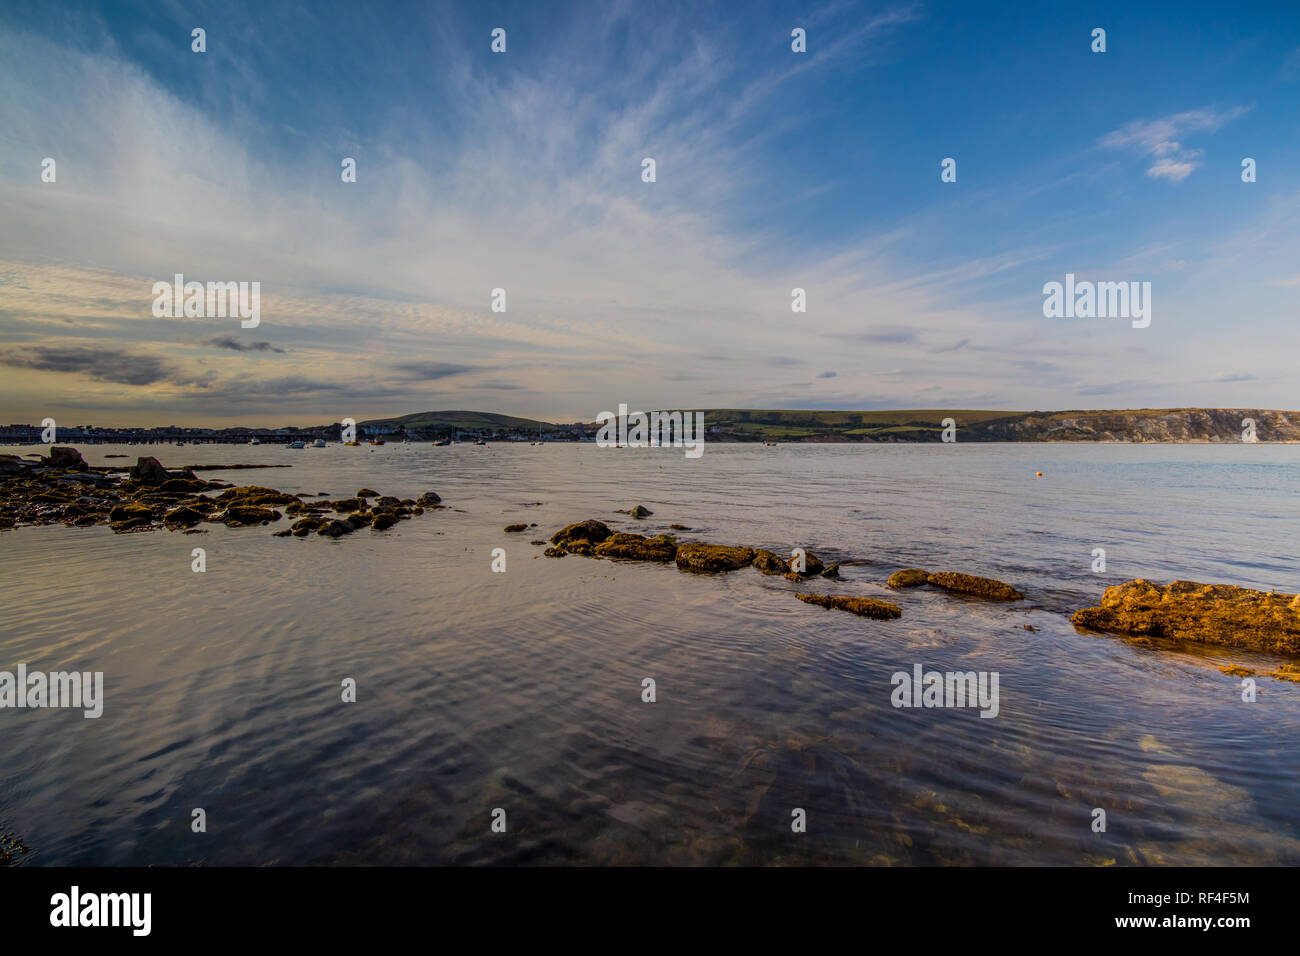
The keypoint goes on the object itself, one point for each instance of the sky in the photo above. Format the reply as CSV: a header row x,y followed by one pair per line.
x,y
523,171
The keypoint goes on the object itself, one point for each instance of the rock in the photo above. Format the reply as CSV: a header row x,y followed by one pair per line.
x,y
555,552
770,562
347,505
590,532
242,515
149,471
383,521
63,457
1217,614
183,517
367,493
183,484
335,528
282,534
128,511
14,465
516,527
907,578
970,584
863,607
640,511
359,519
712,558
832,572
256,495
388,501
427,499
307,525
812,565
678,527
638,547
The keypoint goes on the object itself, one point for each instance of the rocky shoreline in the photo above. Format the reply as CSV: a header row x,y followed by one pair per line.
x,y
62,489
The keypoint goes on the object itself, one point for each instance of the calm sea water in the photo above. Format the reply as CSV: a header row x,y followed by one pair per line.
x,y
522,690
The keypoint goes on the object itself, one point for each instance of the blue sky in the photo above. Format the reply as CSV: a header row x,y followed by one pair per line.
x,y
522,171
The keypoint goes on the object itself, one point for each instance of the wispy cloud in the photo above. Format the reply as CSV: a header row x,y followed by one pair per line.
x,y
1161,139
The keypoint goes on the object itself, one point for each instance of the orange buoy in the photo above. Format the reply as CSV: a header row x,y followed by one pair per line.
x,y
1038,474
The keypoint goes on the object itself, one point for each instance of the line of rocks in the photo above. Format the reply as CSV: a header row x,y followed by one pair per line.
x,y
62,489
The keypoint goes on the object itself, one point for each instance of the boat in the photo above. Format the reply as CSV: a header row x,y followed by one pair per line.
x,y
376,441
479,441
352,444
180,444
770,444
442,442
297,444
318,443
254,441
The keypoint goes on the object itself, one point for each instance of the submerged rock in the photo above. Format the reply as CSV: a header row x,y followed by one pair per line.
x,y
863,607
640,511
516,527
1206,613
637,547
907,578
970,584
712,558
427,499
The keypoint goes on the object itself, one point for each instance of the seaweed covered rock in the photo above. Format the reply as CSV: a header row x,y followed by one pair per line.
x,y
128,517
335,528
515,528
812,566
426,500
383,520
581,537
366,493
863,607
769,562
638,547
183,517
244,515
907,578
1206,613
977,586
640,511
256,495
712,558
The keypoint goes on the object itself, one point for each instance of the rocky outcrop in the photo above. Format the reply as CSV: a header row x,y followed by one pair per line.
x,y
863,607
1217,614
769,562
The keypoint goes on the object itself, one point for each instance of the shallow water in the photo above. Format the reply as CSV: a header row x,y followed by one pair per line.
x,y
522,691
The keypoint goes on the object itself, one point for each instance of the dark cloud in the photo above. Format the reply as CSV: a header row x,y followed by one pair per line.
x,y
232,343
103,365
431,371
827,374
